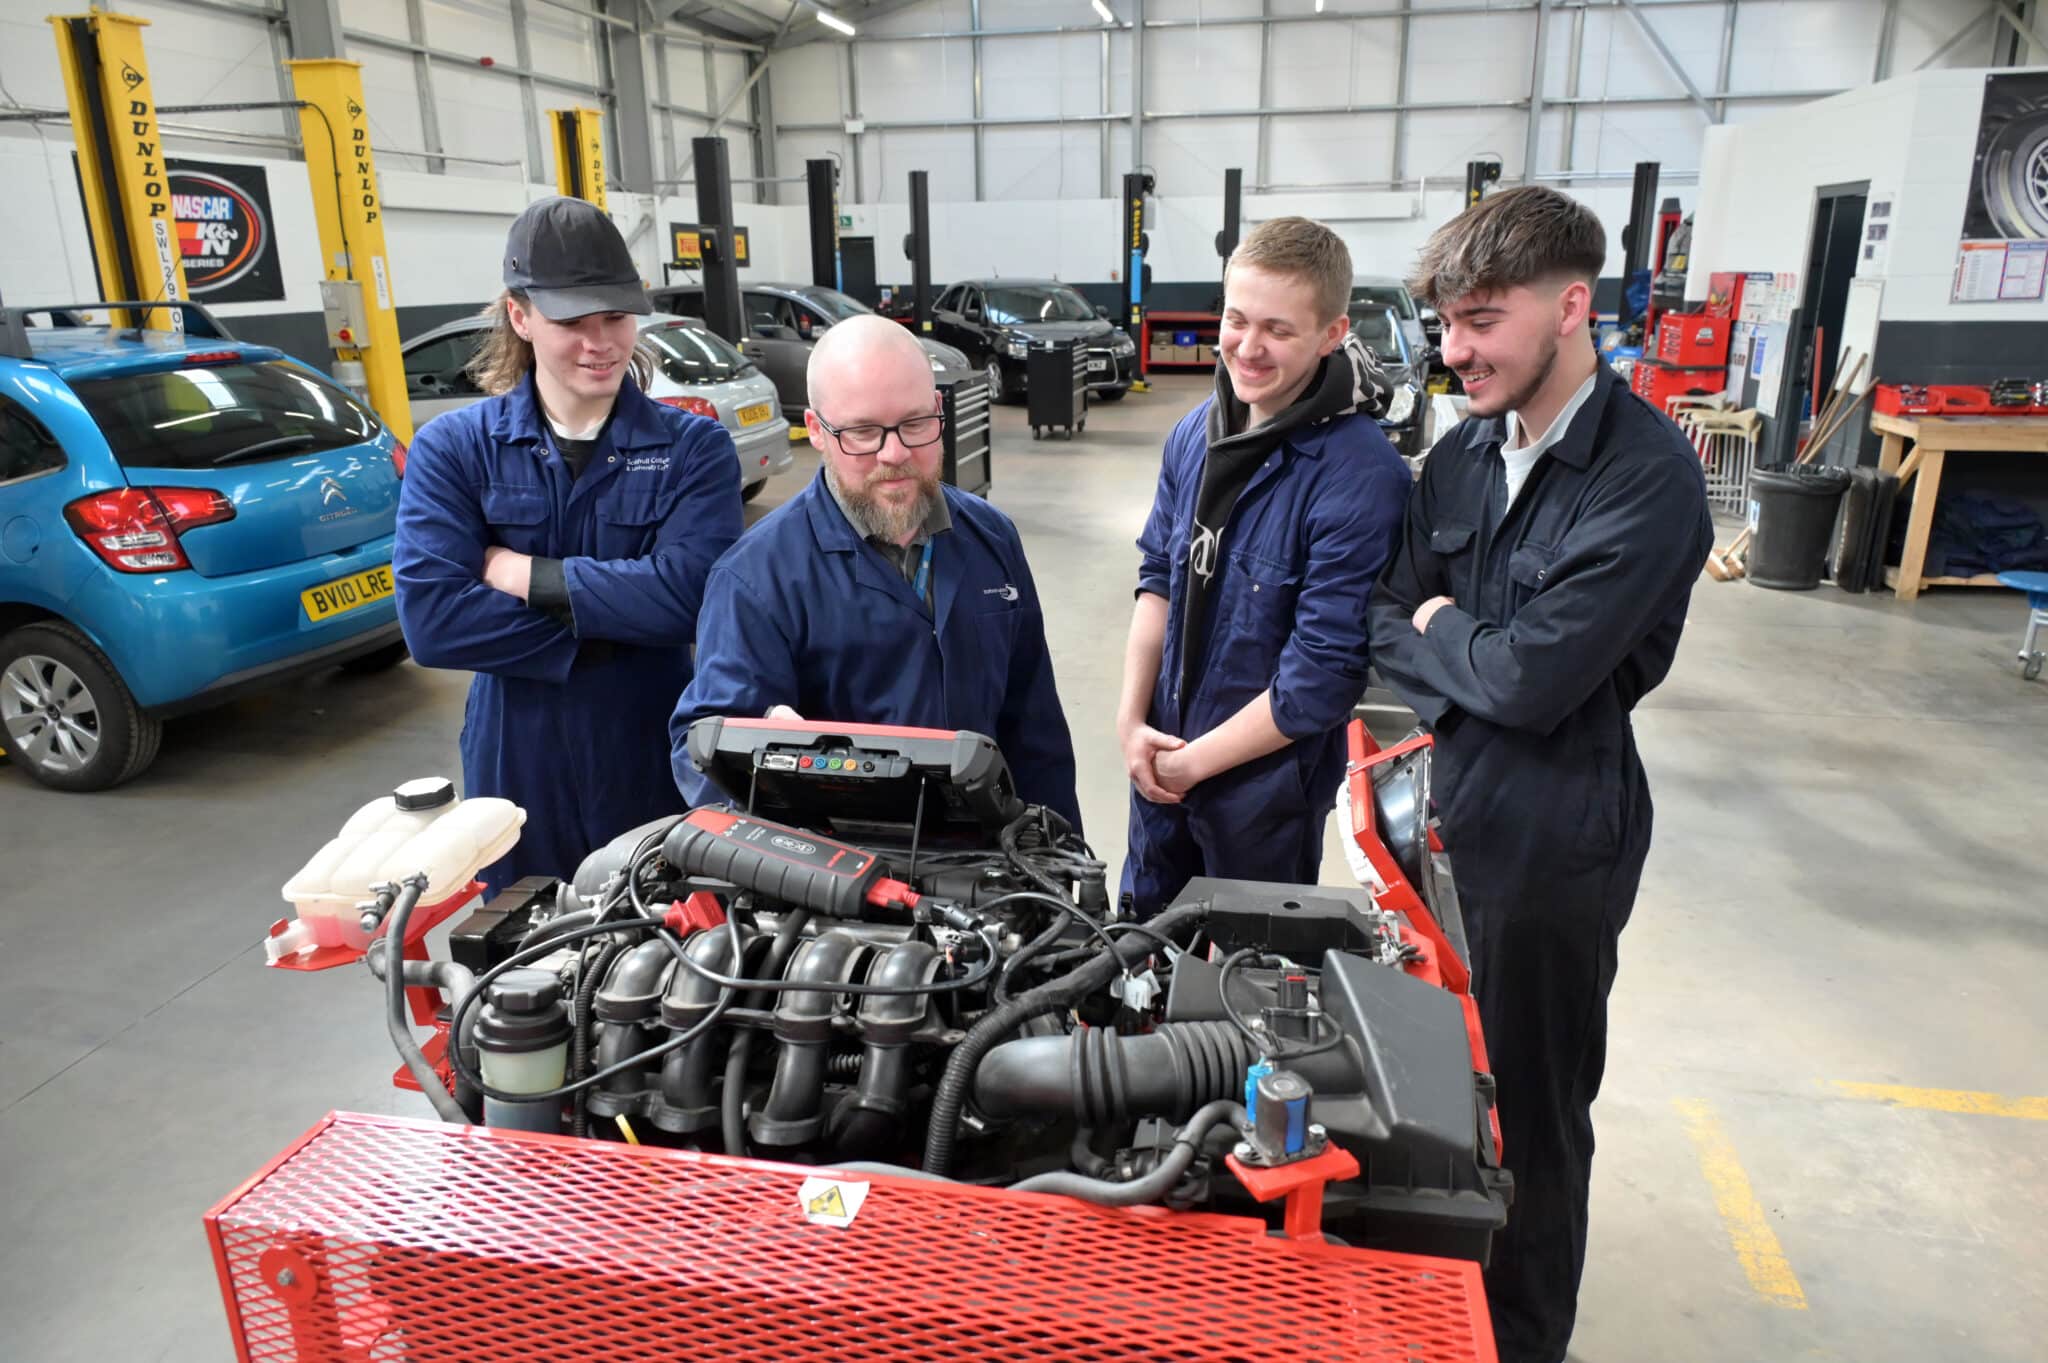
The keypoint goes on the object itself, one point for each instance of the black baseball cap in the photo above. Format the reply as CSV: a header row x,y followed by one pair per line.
x,y
568,258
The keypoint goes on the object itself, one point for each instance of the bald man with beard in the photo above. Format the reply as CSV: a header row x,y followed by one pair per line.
x,y
878,595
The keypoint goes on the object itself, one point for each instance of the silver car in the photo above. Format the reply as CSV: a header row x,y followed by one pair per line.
x,y
694,369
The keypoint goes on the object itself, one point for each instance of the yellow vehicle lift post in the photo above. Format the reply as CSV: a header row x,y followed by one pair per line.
x,y
121,166
579,153
356,291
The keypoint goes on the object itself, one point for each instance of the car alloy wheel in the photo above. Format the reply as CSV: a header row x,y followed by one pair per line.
x,y
50,715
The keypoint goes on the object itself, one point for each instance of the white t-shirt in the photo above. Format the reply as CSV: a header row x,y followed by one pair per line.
x,y
1521,460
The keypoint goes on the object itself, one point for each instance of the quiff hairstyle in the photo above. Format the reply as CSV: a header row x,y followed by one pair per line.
x,y
1520,236
1302,249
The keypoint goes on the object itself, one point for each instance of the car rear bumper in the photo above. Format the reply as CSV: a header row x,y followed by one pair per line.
x,y
763,451
182,641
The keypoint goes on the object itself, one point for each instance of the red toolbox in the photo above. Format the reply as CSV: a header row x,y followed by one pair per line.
x,y
1724,294
1658,382
1692,339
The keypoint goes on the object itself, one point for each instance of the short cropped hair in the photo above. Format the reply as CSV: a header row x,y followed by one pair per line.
x,y
1301,249
1519,236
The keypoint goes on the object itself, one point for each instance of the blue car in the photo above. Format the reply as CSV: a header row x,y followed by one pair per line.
x,y
182,518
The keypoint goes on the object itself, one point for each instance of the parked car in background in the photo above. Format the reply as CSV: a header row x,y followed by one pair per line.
x,y
1380,329
182,518
694,369
1385,291
996,321
785,320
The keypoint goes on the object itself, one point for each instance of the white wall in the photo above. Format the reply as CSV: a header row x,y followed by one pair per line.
x,y
1914,137
1349,57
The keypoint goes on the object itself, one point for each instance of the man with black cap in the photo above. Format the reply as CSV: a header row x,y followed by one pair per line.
x,y
555,540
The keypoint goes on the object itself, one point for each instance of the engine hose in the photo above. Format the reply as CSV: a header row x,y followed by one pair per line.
x,y
1081,1154
1029,950
1051,997
580,1039
1150,1187
395,1021
457,981
1018,858
732,1095
556,926
1101,1076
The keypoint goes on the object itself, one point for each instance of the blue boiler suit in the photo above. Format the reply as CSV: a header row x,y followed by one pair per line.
x,y
1569,607
1299,555
570,724
803,612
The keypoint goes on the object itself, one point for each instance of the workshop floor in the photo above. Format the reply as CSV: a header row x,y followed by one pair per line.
x,y
1822,1132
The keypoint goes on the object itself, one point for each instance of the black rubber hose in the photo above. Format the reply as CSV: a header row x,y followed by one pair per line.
x,y
731,1099
457,981
1101,1077
580,1039
395,1020
999,1022
1150,1187
1030,949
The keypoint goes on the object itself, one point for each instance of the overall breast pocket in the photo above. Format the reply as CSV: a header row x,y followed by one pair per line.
x,y
1452,546
1254,615
627,526
1529,572
517,517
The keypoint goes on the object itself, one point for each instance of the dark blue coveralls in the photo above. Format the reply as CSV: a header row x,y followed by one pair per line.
x,y
803,612
1299,554
570,724
1568,613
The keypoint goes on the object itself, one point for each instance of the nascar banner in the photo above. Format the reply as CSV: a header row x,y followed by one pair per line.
x,y
226,235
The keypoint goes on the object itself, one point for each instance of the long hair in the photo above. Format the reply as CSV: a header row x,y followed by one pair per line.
x,y
504,359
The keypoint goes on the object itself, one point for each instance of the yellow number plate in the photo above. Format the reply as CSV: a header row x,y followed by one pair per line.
x,y
755,414
347,594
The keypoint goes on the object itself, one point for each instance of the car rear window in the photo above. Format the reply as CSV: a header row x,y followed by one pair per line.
x,y
1375,326
690,354
1385,296
209,415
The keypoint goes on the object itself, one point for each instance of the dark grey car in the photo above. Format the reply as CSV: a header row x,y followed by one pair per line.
x,y
994,322
1381,330
785,320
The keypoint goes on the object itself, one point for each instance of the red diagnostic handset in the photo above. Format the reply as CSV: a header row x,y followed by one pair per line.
x,y
787,864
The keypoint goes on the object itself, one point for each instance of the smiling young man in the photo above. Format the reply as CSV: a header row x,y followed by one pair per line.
x,y
879,595
555,539
1537,595
1278,501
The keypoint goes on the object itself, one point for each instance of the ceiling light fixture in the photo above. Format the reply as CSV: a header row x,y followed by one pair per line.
x,y
833,21
1108,14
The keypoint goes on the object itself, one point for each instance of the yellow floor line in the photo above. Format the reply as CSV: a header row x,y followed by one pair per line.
x,y
1749,1230
1949,1100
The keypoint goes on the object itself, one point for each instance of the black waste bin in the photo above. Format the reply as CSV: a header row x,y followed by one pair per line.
x,y
1792,512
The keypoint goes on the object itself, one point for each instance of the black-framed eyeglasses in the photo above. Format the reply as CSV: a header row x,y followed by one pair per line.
x,y
864,439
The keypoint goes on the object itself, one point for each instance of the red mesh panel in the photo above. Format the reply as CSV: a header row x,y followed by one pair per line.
x,y
382,1239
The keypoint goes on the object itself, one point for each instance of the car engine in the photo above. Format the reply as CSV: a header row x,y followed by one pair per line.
x,y
879,958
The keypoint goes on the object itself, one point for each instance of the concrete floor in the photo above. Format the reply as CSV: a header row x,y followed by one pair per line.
x,y
1847,887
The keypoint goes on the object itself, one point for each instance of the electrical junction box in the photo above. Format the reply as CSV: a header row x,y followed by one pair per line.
x,y
341,304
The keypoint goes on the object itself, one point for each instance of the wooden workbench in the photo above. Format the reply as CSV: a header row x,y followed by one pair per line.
x,y
1934,439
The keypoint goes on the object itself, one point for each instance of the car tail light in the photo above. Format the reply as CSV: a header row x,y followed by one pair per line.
x,y
211,357
398,457
700,406
135,529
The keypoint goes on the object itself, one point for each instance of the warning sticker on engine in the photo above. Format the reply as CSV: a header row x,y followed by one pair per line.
x,y
831,1201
